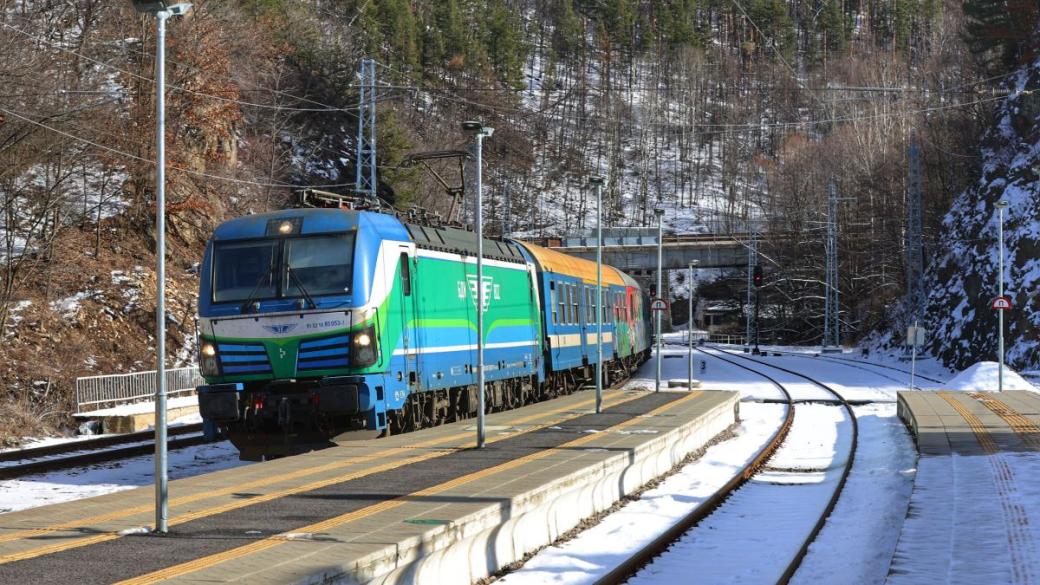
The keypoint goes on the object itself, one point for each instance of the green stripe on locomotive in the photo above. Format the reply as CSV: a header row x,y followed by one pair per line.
x,y
442,297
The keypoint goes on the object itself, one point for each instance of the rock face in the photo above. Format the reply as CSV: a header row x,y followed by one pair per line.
x,y
962,279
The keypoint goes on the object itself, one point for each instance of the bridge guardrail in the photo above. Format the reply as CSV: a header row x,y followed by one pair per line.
x,y
115,389
725,338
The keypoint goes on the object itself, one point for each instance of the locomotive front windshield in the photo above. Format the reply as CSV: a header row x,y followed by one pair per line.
x,y
282,268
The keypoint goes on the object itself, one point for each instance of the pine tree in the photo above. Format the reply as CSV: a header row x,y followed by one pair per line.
x,y
505,45
568,33
1002,33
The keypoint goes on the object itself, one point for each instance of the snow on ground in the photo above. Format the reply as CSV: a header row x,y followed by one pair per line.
x,y
717,375
144,407
604,546
857,542
972,519
846,379
982,377
104,478
34,442
756,533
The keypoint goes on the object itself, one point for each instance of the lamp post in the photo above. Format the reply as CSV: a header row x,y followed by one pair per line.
x,y
162,11
479,132
1001,206
659,212
689,327
597,182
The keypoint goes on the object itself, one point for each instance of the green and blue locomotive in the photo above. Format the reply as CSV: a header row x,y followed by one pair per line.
x,y
321,325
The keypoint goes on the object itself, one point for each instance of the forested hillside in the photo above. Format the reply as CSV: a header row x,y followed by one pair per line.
x,y
730,114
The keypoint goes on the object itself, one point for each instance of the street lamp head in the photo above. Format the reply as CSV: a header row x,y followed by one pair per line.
x,y
1002,204
156,6
475,128
595,180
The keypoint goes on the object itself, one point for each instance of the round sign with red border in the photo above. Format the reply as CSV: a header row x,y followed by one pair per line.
x,y
1002,304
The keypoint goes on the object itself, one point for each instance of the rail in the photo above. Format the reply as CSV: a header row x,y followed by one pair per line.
x,y
114,389
664,541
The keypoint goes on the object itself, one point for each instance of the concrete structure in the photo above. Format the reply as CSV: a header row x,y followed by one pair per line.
x,y
130,418
969,423
633,249
419,507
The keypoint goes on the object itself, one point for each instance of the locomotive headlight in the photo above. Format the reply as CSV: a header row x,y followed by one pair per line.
x,y
208,361
285,228
363,348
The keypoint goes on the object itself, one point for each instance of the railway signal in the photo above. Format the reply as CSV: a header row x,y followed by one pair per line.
x,y
756,275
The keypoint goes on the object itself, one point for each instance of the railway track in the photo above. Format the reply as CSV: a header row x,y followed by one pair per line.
x,y
753,477
860,365
19,463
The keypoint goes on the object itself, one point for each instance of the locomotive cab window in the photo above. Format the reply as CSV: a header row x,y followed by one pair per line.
x,y
244,269
272,268
318,265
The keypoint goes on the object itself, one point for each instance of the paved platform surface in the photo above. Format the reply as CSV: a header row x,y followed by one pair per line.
x,y
972,423
419,507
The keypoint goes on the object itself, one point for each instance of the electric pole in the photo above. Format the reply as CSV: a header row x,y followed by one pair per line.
x,y
365,178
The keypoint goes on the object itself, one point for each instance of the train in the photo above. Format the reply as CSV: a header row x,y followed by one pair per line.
x,y
322,325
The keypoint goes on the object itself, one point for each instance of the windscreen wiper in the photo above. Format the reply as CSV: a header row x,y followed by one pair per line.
x,y
269,275
299,285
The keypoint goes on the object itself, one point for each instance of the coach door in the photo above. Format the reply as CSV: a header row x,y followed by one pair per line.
x,y
582,293
407,308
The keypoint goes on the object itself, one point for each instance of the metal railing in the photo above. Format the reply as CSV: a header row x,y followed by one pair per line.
x,y
725,338
115,389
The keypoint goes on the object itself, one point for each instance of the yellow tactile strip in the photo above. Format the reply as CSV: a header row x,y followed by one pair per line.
x,y
325,525
1027,430
1015,519
974,423
447,444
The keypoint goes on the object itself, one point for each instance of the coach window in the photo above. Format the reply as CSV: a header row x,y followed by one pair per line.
x,y
574,302
564,318
567,304
552,303
406,275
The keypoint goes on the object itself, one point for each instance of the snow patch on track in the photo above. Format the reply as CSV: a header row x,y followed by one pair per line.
x,y
856,544
606,545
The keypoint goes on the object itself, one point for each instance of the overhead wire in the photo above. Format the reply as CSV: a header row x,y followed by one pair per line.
x,y
135,157
173,86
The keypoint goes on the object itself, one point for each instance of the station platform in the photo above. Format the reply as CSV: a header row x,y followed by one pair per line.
x,y
424,507
971,423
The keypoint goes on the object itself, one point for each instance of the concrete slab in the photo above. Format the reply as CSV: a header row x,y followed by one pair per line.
x,y
944,422
139,416
421,507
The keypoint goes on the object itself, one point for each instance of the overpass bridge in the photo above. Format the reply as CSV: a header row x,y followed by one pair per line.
x,y
634,250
